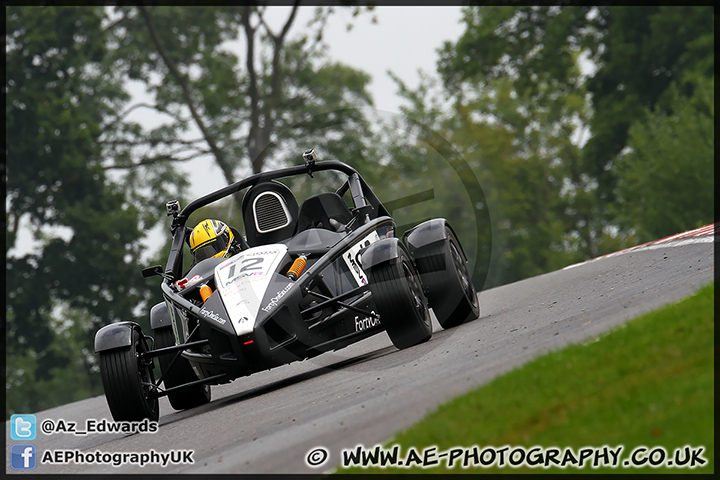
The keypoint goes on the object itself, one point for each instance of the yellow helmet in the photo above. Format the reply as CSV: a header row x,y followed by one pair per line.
x,y
210,238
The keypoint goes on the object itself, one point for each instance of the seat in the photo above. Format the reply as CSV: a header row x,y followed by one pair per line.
x,y
316,212
270,213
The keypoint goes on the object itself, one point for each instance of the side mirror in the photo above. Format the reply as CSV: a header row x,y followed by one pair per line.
x,y
151,271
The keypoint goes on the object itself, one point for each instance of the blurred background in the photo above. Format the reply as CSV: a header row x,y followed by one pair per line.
x,y
546,135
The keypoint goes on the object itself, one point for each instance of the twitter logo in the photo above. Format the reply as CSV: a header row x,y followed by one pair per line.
x,y
23,427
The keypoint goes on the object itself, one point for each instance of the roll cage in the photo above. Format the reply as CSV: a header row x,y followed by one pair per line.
x,y
366,204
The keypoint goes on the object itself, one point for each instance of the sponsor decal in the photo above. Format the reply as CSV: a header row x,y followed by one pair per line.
x,y
252,266
248,267
243,281
365,323
352,257
213,316
274,301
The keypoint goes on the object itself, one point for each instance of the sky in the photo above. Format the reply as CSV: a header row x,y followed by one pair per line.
x,y
403,40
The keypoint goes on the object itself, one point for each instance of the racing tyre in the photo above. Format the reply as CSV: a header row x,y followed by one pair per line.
x,y
180,373
399,299
448,284
128,380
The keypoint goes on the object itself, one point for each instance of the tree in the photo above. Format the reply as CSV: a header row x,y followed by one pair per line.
x,y
518,109
423,175
59,93
635,52
640,52
666,181
282,95
536,47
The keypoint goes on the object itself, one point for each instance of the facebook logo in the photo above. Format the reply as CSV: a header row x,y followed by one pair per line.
x,y
22,427
22,456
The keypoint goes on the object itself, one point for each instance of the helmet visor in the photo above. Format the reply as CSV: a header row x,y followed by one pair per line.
x,y
213,247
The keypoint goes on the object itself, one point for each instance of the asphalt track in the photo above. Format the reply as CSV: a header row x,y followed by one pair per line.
x,y
364,394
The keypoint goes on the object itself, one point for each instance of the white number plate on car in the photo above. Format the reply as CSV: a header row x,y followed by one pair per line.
x,y
243,281
352,257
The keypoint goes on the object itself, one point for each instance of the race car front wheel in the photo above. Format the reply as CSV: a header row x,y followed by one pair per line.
x,y
128,379
445,275
178,374
400,301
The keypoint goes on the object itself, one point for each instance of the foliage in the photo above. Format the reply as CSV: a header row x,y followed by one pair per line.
x,y
422,175
535,47
517,102
666,182
640,53
542,98
34,385
59,91
636,52
284,95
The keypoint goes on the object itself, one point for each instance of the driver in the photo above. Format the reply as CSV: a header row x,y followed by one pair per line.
x,y
212,238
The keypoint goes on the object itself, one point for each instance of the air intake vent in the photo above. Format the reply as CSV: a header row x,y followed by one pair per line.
x,y
270,212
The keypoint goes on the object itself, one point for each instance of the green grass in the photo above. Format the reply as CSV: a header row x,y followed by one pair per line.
x,y
648,383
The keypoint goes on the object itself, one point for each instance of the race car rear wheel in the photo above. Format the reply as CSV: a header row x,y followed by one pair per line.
x,y
127,380
399,299
180,373
448,283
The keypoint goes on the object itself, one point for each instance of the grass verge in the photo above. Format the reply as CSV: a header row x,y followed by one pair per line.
x,y
648,383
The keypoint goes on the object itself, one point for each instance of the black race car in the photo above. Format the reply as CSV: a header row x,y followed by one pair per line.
x,y
311,278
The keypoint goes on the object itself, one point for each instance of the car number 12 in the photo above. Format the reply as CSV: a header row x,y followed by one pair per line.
x,y
248,265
